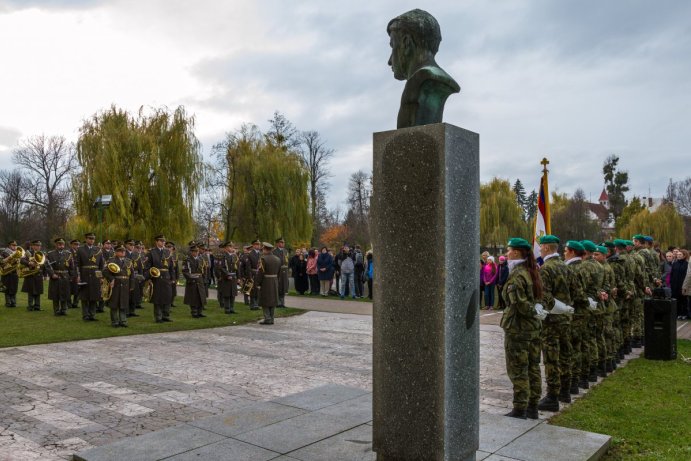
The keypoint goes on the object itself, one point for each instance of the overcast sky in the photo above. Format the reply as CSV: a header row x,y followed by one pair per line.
x,y
573,81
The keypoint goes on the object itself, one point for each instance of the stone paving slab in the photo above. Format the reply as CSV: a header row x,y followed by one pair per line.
x,y
329,394
247,418
321,435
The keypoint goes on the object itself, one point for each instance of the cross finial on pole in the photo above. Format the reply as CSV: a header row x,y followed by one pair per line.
x,y
544,164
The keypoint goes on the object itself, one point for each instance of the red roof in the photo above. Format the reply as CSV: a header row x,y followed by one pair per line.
x,y
603,196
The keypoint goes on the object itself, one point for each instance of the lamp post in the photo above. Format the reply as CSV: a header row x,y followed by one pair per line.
x,y
101,202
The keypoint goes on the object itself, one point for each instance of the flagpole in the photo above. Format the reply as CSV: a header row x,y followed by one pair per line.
x,y
548,214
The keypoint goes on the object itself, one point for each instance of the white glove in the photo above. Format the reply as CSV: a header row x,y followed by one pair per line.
x,y
540,312
561,308
592,304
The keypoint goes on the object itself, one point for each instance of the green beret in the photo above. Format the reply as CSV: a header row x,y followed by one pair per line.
x,y
621,243
517,242
629,243
640,237
549,239
601,249
608,244
589,246
575,245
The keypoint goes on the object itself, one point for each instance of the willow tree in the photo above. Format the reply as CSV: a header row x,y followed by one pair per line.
x,y
664,224
150,163
265,188
500,215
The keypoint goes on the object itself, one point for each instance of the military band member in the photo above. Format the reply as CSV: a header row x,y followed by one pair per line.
x,y
227,276
74,286
162,297
283,283
174,272
133,255
251,271
138,266
244,270
89,265
266,283
61,270
10,280
121,283
195,291
33,280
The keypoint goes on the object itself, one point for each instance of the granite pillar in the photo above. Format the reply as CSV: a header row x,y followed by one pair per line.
x,y
425,237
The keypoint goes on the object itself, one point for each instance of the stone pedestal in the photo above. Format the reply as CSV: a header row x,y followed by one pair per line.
x,y
425,235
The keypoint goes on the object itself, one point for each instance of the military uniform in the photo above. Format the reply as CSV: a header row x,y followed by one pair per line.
x,y
195,291
621,283
10,280
557,351
33,284
267,284
227,283
174,272
89,264
162,296
251,270
596,322
138,277
107,252
61,268
122,282
522,339
580,363
283,281
74,284
245,272
641,282
611,307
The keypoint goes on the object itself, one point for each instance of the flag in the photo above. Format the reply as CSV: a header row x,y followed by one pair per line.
x,y
542,216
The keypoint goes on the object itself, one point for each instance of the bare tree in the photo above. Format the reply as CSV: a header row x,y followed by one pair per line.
x,y
13,211
357,217
47,163
316,157
679,193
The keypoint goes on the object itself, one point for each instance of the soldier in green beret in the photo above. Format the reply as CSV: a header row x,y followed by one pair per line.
x,y
557,351
628,270
643,284
578,279
605,321
522,328
597,294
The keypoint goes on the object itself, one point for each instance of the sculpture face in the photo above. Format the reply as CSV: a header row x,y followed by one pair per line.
x,y
398,60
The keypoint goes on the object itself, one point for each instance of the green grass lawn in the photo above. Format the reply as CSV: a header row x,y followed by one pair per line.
x,y
645,407
18,327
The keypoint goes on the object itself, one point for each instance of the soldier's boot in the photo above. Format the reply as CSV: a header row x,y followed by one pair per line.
x,y
532,413
517,413
56,307
592,375
267,317
609,365
549,402
636,343
573,390
614,364
30,303
583,382
602,369
8,300
564,391
629,349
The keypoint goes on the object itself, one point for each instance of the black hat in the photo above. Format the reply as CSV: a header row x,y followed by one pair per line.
x,y
139,243
160,237
194,248
59,240
107,241
170,244
255,241
129,242
74,241
280,239
36,242
120,248
90,235
11,242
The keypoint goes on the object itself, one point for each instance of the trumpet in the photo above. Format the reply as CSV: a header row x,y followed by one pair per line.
x,y
36,262
10,263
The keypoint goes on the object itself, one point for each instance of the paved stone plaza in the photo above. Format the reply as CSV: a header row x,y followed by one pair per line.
x,y
58,399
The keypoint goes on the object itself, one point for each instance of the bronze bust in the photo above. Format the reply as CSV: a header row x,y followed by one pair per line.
x,y
414,38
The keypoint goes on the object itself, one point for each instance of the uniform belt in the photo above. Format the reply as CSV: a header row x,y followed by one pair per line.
x,y
89,267
232,273
255,270
284,267
61,272
270,276
162,270
121,277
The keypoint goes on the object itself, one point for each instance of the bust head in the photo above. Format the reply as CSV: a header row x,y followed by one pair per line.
x,y
415,38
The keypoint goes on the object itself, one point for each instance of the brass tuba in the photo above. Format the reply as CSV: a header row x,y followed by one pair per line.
x,y
147,291
11,263
106,289
249,284
38,259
